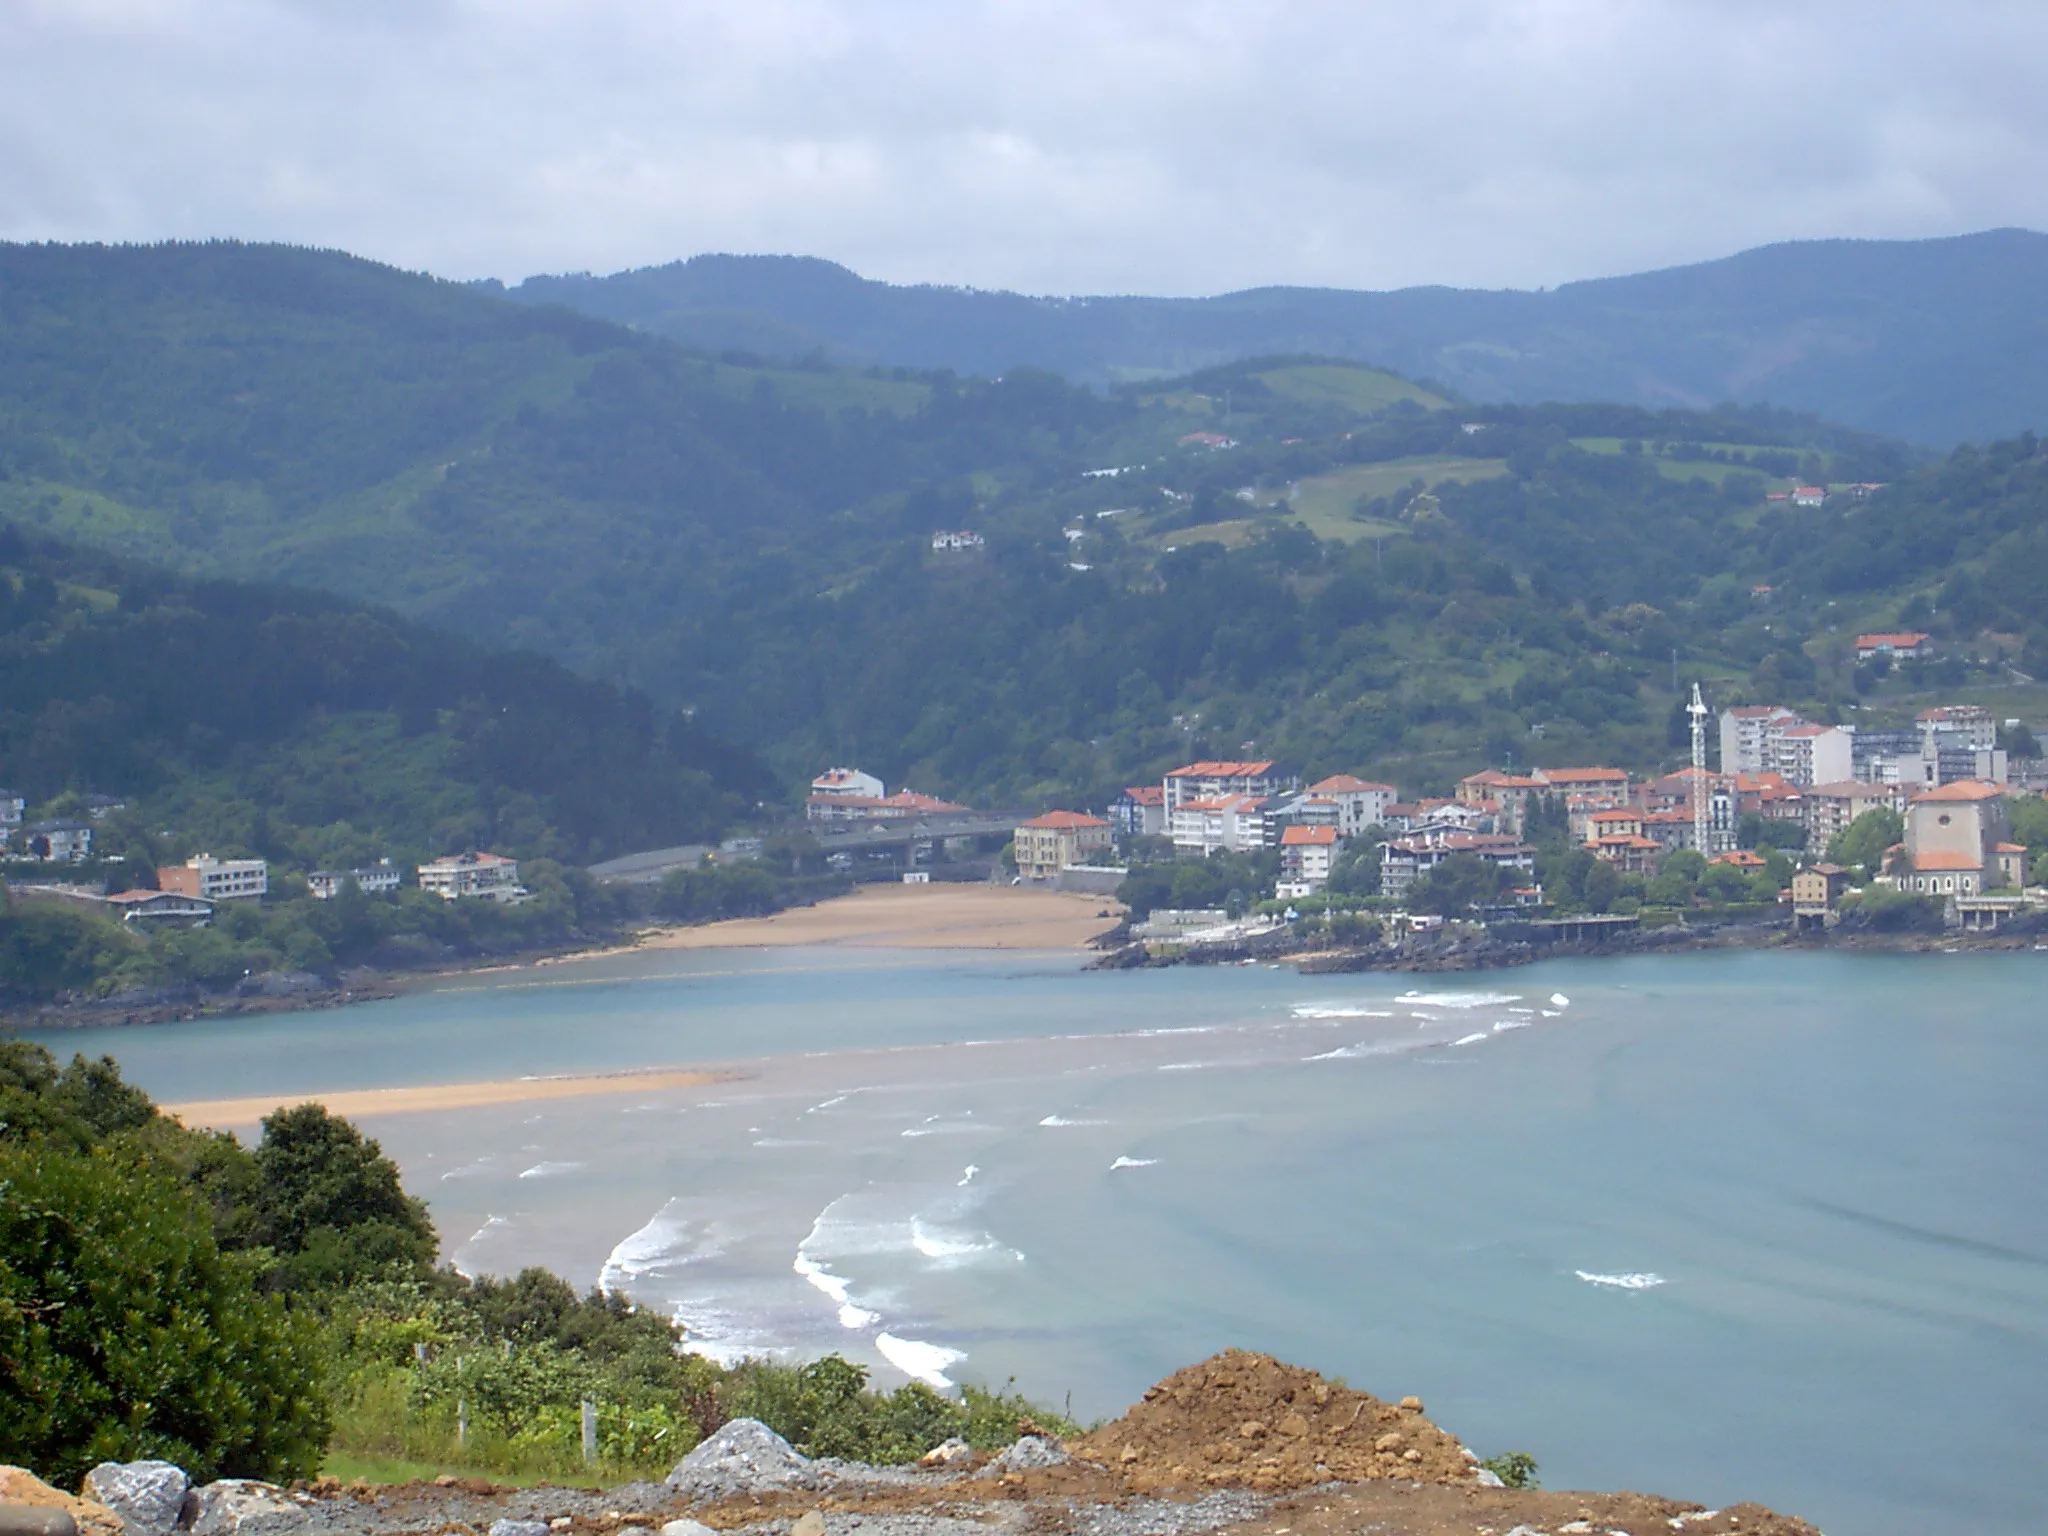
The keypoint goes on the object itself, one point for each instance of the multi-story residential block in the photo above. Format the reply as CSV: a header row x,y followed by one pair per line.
x,y
1058,840
1361,803
1214,780
1222,823
13,808
487,876
1405,860
1745,735
1964,725
212,879
1510,793
1306,856
1829,809
1139,811
1804,753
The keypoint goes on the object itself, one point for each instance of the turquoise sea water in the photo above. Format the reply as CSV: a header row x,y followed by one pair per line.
x,y
1724,1226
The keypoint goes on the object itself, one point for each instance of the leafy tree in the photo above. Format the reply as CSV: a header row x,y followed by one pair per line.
x,y
1725,884
1458,884
126,1333
1602,886
331,1202
1863,842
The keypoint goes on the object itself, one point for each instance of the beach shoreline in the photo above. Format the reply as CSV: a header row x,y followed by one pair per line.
x,y
433,1098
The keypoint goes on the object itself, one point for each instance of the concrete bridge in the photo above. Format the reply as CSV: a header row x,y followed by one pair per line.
x,y
843,837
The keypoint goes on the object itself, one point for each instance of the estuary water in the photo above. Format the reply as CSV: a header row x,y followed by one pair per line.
x,y
1734,1225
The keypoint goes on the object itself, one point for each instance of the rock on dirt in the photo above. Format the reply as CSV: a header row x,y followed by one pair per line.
x,y
1031,1453
239,1506
18,1485
745,1456
147,1495
1246,1420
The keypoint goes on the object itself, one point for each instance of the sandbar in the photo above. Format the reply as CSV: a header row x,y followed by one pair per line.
x,y
934,916
237,1114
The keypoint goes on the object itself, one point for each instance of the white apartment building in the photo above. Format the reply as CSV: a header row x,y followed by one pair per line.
x,y
380,879
1214,780
1360,802
1226,823
835,782
487,875
212,879
1806,754
1746,733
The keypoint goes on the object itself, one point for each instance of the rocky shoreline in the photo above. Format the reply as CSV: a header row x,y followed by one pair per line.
x,y
1472,947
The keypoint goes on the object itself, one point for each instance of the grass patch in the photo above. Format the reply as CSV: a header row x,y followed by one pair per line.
x,y
1367,391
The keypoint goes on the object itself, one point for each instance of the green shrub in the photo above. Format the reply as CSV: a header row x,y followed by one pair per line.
x,y
1515,1468
125,1332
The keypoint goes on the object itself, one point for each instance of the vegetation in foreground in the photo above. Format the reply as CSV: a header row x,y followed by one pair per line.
x,y
255,1312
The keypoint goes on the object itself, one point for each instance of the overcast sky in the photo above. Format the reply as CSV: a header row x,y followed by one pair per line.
x,y
1055,147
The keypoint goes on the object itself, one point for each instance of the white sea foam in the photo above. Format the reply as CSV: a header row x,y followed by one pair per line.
x,y
919,1360
1338,1011
950,1248
1628,1282
1133,1162
1552,1013
670,1238
1355,1052
1473,1039
946,1125
850,1316
456,1259
1058,1120
967,1177
784,1141
1501,1026
1559,1000
552,1170
831,1103
469,1170
1521,1010
1459,999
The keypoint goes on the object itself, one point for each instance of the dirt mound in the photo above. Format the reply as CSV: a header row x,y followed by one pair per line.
x,y
1246,1420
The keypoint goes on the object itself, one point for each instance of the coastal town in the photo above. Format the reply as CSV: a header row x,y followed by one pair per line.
x,y
1798,821
1804,821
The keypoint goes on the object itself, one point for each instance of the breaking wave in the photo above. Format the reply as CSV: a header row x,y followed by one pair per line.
x,y
1629,1282
919,1360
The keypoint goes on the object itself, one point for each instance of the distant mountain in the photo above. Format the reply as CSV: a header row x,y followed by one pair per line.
x,y
1284,555
1936,341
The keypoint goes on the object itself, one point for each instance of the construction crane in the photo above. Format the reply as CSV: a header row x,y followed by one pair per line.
x,y
1698,710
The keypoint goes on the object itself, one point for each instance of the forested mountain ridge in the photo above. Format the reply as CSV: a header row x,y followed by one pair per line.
x,y
1930,340
1307,558
312,730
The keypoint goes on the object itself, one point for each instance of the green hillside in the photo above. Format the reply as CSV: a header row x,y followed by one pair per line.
x,y
1316,558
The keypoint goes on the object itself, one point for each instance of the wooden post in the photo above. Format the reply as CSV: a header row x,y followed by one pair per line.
x,y
589,1430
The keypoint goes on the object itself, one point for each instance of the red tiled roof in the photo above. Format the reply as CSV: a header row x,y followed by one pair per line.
x,y
1583,775
1965,790
1146,794
1903,638
1925,862
1064,821
1345,784
1222,770
1295,837
1741,858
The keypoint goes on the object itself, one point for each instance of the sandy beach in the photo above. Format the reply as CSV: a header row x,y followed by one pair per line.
x,y
241,1114
914,917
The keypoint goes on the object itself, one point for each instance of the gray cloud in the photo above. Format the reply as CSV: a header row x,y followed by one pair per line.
x,y
1052,146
